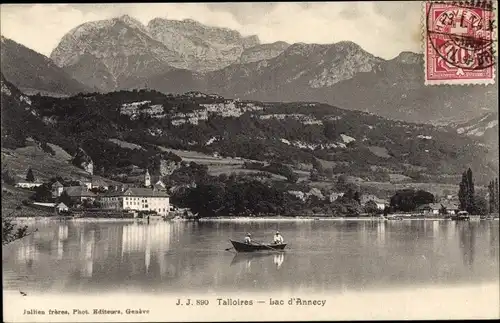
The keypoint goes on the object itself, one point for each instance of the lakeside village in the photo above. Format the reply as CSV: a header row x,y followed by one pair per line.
x,y
95,198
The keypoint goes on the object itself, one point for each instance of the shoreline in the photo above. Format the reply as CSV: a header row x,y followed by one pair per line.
x,y
308,218
239,219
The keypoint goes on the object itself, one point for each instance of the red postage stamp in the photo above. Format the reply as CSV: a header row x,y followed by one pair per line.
x,y
459,42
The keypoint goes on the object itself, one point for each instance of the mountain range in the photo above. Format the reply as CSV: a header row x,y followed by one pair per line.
x,y
173,56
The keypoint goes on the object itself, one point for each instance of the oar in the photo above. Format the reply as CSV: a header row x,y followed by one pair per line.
x,y
228,249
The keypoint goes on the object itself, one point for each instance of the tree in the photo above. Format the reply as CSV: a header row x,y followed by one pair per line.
x,y
346,207
87,204
470,192
318,166
341,182
357,197
403,200
462,192
349,194
408,200
43,193
422,197
328,172
480,205
497,207
466,193
493,196
292,177
443,210
371,207
12,232
66,199
29,175
314,175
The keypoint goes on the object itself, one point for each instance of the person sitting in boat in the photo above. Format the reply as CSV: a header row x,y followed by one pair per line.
x,y
248,238
278,239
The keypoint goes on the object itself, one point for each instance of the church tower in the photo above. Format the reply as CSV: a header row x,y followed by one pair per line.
x,y
147,179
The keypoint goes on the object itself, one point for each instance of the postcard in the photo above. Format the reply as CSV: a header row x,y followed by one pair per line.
x,y
297,161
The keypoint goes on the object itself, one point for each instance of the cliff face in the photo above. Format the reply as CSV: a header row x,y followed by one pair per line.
x,y
205,48
83,161
262,52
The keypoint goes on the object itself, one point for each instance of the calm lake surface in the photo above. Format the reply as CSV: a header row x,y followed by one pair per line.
x,y
323,256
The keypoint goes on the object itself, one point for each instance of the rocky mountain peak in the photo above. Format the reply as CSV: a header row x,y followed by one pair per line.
x,y
263,52
303,49
251,41
193,28
347,45
132,22
204,47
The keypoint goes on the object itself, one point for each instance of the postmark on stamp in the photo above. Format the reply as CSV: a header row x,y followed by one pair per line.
x,y
459,42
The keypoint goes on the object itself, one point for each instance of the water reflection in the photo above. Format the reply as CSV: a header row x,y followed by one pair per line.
x,y
320,256
263,258
61,238
278,259
467,237
381,233
27,252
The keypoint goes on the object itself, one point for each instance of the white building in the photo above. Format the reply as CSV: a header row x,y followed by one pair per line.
x,y
160,185
334,196
137,199
57,189
87,183
58,207
365,198
26,184
147,179
61,207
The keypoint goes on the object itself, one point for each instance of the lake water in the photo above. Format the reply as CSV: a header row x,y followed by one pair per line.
x,y
322,256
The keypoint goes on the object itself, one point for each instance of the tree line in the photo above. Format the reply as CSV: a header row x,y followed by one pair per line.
x,y
493,196
470,201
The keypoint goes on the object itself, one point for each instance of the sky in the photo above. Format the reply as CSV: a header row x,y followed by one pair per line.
x,y
382,28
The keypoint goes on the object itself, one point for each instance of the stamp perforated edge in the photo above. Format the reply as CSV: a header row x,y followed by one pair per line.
x,y
423,26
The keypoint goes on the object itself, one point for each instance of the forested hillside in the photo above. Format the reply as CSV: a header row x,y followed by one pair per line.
x,y
353,142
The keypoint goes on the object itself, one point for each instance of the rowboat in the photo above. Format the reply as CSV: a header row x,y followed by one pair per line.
x,y
245,247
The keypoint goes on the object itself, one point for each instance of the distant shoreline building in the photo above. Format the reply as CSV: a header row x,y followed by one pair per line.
x,y
138,198
381,203
79,193
57,189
